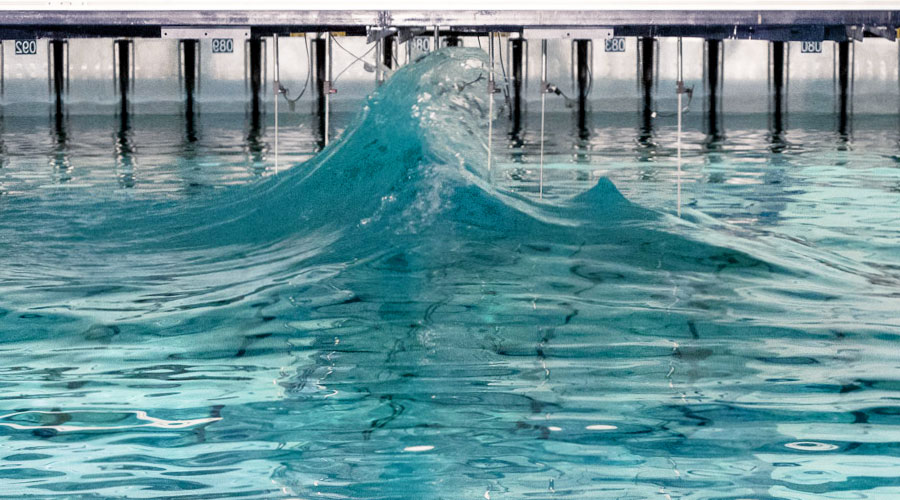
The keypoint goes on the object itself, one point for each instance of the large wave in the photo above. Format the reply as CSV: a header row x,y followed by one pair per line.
x,y
408,178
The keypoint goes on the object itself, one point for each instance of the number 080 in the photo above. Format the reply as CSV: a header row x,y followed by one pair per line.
x,y
222,45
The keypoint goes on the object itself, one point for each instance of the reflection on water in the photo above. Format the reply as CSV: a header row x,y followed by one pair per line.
x,y
93,420
748,350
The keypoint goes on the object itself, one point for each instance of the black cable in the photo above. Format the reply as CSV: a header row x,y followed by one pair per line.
x,y
292,102
569,101
463,85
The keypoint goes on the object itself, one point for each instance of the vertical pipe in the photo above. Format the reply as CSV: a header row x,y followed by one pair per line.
x,y
255,77
437,37
57,49
490,101
646,69
387,54
277,90
190,69
255,46
843,87
124,148
124,66
329,90
379,75
318,46
190,85
713,86
517,80
778,81
680,90
543,99
582,73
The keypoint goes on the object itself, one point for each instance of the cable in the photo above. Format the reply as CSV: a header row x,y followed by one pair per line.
x,y
351,62
344,49
506,98
590,86
685,109
292,102
463,85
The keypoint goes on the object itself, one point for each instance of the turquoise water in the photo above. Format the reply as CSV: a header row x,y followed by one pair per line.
x,y
391,320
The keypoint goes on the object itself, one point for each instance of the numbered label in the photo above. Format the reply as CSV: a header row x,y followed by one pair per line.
x,y
616,44
810,47
422,44
222,45
26,47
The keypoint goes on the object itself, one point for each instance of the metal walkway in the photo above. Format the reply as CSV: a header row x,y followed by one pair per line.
x,y
786,25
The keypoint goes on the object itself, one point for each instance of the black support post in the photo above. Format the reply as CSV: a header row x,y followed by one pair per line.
x,y
387,52
844,88
713,89
190,69
57,47
647,46
124,146
255,61
124,64
254,143
321,64
779,71
518,64
583,76
190,48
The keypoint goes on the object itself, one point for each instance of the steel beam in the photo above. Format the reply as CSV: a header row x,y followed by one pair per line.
x,y
753,24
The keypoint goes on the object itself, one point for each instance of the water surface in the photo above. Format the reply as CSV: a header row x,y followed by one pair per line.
x,y
389,319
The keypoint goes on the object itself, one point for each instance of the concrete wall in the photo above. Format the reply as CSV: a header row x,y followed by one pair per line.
x,y
222,84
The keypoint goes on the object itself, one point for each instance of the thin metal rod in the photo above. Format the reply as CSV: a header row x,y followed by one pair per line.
x,y
378,57
543,101
328,55
543,62
680,93
490,102
275,95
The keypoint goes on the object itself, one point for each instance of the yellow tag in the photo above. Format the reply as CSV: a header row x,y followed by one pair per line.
x,y
301,35
338,33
